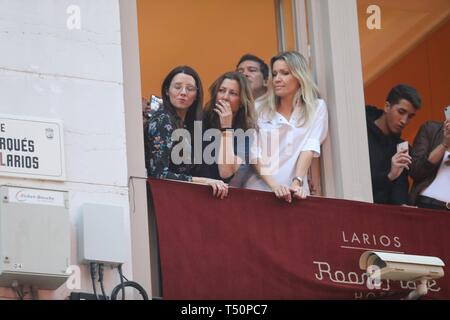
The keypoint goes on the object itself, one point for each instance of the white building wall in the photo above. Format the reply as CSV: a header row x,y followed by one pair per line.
x,y
50,71
337,63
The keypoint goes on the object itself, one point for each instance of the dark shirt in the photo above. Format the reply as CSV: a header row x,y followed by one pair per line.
x,y
381,150
423,172
241,148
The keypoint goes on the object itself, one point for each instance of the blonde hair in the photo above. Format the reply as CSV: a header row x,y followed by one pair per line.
x,y
307,94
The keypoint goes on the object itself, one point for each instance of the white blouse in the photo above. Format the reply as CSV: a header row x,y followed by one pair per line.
x,y
440,187
279,144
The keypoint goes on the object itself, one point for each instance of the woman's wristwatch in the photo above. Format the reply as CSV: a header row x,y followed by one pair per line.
x,y
299,179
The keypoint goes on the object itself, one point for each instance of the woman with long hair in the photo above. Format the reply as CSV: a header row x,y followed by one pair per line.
x,y
230,110
182,97
292,124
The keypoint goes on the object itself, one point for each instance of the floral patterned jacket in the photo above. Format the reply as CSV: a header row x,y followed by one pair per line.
x,y
159,146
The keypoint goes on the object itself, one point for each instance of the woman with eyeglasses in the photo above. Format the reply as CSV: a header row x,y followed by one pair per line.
x,y
231,115
292,124
182,97
430,168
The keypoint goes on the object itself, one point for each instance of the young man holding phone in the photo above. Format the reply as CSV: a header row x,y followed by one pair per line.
x,y
430,167
389,156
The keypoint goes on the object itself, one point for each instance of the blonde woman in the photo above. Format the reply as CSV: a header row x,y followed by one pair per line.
x,y
292,124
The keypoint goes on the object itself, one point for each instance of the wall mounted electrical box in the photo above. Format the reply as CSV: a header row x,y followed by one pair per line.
x,y
101,234
34,237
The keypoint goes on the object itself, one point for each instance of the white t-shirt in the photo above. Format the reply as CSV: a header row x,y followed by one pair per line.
x,y
258,103
440,187
279,144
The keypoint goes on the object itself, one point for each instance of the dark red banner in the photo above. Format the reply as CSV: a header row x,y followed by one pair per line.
x,y
254,246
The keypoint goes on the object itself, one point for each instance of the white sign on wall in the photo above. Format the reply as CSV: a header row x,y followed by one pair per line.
x,y
36,196
31,148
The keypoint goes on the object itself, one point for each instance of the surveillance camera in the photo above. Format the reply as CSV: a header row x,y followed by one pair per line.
x,y
404,267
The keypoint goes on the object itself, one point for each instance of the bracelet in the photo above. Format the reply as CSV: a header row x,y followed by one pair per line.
x,y
226,129
299,179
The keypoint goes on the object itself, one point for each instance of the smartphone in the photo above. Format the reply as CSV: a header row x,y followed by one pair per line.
x,y
403,146
155,103
447,112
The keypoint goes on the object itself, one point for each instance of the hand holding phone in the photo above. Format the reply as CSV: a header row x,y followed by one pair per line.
x,y
399,161
447,112
403,146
